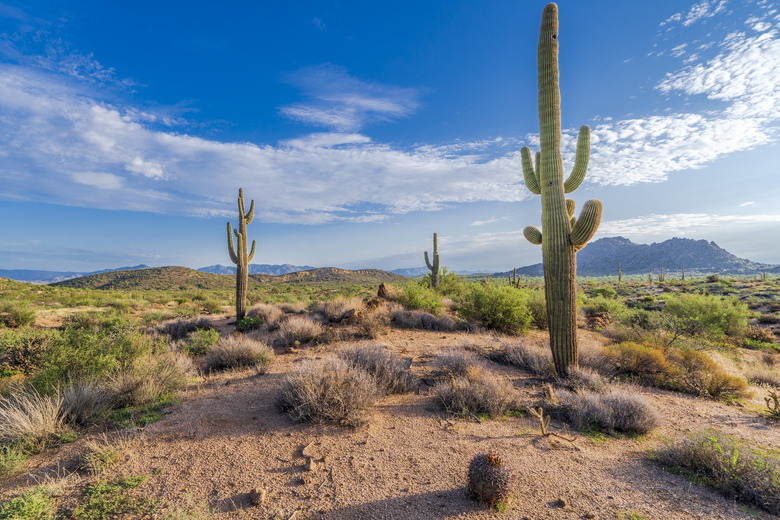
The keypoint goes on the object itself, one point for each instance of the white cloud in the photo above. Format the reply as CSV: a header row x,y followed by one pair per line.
x,y
103,181
344,103
703,10
745,204
484,222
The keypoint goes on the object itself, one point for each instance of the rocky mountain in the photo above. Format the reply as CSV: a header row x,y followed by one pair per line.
x,y
601,258
274,270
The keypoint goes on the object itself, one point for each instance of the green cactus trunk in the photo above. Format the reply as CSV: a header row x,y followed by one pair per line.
x,y
434,267
563,234
239,255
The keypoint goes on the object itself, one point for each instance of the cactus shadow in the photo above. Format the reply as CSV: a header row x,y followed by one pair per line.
x,y
444,503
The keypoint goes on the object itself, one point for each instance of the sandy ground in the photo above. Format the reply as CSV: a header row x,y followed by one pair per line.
x,y
228,436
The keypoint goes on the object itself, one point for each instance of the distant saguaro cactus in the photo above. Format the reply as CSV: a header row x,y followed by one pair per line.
x,y
434,267
620,274
563,234
239,255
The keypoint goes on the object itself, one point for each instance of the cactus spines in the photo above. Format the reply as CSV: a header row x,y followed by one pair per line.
x,y
562,233
490,480
239,255
434,267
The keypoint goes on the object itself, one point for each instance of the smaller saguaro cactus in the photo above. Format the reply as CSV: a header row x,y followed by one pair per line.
x,y
239,255
620,274
434,267
661,275
490,480
515,280
683,274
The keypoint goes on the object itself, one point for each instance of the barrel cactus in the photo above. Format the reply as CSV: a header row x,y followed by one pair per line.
x,y
490,480
562,233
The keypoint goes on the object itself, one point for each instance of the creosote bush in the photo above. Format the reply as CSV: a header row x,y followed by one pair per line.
x,y
238,351
698,314
496,307
16,314
416,296
328,389
728,465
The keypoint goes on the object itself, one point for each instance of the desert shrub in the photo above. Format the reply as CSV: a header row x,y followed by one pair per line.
x,y
728,465
30,505
416,296
480,392
583,378
102,454
760,334
84,400
373,324
713,278
238,351
12,457
180,328
31,417
600,304
619,409
537,306
450,284
26,349
248,323
764,378
532,358
293,308
200,341
265,313
299,329
337,310
497,307
696,373
81,354
603,292
422,320
645,362
769,318
211,307
390,371
148,379
698,314
329,389
16,314
457,362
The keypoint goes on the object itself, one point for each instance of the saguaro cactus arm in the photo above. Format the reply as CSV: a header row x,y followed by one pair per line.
x,y
252,252
587,224
530,174
580,161
533,235
434,266
231,249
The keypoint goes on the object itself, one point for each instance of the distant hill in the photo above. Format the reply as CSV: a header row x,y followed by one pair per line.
x,y
601,258
182,279
159,278
37,276
411,271
257,269
333,274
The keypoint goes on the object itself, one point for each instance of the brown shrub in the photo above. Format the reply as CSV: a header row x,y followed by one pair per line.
x,y
374,323
533,358
239,351
179,328
423,320
644,361
761,334
695,373
480,392
390,371
149,378
299,329
457,362
620,408
268,314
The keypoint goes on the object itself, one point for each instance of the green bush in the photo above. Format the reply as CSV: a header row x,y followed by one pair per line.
x,y
614,308
16,314
698,314
497,307
604,292
416,296
200,341
450,284
32,505
537,305
246,324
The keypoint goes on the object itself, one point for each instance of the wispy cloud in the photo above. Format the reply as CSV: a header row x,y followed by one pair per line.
x,y
700,11
344,103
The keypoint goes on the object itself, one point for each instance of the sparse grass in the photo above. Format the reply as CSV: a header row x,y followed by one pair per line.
x,y
390,371
533,358
296,330
150,378
102,454
328,389
110,499
238,351
728,465
32,505
140,416
189,510
337,310
458,362
479,393
83,401
12,457
620,409
30,416
266,313
422,320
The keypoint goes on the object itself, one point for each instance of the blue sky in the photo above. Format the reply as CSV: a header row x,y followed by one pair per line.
x,y
360,128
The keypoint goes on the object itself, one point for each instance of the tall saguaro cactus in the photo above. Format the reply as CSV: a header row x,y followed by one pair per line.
x,y
434,267
239,255
562,234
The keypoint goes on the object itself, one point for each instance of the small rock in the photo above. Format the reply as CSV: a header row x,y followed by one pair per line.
x,y
590,515
257,496
560,502
311,464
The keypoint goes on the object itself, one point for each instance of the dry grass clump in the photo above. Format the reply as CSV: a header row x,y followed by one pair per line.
x,y
761,334
179,328
422,320
620,409
457,362
329,389
335,311
299,329
374,323
103,454
149,378
268,314
729,466
239,351
30,417
695,373
764,377
583,378
84,400
292,308
390,371
480,392
533,358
